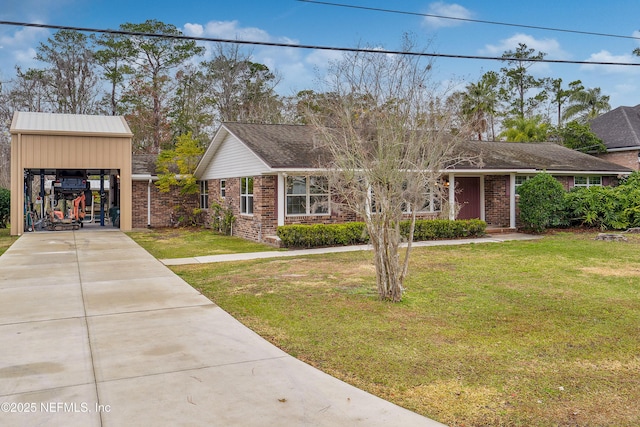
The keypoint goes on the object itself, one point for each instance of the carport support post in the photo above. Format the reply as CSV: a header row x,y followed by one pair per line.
x,y
42,212
101,197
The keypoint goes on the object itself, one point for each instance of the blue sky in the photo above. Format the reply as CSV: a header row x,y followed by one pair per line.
x,y
290,21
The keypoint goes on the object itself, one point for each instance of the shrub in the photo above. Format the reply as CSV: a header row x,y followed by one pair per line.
x,y
433,229
308,236
5,207
541,203
615,208
222,218
595,207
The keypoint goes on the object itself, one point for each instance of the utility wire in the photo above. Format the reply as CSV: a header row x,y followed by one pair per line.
x,y
305,46
454,18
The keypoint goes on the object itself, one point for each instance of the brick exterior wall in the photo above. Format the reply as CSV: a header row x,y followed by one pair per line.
x,y
162,205
262,225
496,200
628,159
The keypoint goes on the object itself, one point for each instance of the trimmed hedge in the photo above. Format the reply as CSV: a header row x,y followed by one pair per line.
x,y
355,233
310,236
434,229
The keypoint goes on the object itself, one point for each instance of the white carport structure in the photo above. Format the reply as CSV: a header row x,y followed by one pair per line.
x,y
48,142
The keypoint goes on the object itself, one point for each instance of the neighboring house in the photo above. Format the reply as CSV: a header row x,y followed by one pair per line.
x,y
270,175
619,129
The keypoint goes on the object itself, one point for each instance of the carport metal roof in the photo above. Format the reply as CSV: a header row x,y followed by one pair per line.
x,y
51,124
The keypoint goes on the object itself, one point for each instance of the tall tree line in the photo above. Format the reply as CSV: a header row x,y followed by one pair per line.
x,y
162,85
527,108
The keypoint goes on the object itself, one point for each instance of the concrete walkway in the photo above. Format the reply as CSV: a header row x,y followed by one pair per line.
x,y
94,331
496,238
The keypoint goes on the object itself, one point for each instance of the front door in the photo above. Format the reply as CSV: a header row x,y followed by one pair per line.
x,y
468,197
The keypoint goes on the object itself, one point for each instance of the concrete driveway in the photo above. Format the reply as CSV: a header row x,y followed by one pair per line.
x,y
94,331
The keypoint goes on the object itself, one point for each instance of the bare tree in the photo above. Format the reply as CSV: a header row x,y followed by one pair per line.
x,y
390,138
72,84
242,90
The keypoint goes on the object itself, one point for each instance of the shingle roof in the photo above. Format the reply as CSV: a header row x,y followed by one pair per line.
x,y
52,123
539,156
293,146
280,146
143,164
618,128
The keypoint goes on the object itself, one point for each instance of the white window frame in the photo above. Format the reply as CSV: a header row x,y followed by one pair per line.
x,y
308,196
522,179
430,204
246,198
223,188
204,194
590,181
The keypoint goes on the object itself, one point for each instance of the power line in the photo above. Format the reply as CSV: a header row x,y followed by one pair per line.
x,y
480,21
313,47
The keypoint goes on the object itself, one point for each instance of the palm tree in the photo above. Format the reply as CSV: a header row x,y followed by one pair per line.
x,y
480,101
520,129
587,104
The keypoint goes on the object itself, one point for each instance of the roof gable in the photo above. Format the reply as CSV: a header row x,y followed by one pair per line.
x,y
280,146
618,128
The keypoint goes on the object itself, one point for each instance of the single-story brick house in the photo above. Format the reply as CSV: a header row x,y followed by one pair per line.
x,y
268,175
619,129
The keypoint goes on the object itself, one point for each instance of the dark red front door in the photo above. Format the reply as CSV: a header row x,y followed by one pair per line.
x,y
468,197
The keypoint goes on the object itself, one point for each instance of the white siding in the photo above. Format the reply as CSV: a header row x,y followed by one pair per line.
x,y
234,159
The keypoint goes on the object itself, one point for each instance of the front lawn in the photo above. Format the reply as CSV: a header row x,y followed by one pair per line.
x,y
183,243
542,333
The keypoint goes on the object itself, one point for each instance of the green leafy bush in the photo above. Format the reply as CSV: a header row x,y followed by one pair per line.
x,y
352,233
615,208
5,207
595,207
309,236
433,229
542,203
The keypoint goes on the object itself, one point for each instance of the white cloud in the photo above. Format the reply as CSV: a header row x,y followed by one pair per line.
x,y
606,56
231,30
550,47
296,67
322,58
18,48
452,10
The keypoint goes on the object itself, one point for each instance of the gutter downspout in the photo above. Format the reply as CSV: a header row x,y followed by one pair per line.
x,y
149,204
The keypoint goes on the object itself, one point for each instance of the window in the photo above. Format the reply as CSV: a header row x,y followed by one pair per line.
x,y
307,195
204,194
587,181
246,196
223,188
432,203
521,179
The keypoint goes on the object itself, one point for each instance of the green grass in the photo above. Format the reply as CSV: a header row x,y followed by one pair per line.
x,y
6,239
182,243
540,333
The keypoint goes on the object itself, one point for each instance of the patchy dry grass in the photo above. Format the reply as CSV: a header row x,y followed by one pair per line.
x,y
543,333
182,243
